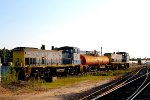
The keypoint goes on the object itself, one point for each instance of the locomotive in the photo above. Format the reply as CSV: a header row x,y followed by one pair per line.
x,y
33,62
118,60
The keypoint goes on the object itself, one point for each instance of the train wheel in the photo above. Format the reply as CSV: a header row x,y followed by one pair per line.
x,y
21,75
107,68
47,76
84,69
77,70
70,71
34,74
66,72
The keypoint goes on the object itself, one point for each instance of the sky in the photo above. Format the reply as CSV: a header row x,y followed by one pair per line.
x,y
114,25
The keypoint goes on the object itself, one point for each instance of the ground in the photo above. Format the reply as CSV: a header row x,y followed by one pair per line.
x,y
51,94
60,93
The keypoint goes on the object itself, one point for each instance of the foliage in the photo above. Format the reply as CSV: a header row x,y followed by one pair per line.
x,y
7,54
9,76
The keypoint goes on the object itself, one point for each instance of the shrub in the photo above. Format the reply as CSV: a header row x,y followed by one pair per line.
x,y
9,76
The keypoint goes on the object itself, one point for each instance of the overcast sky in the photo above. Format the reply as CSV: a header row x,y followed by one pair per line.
x,y
115,25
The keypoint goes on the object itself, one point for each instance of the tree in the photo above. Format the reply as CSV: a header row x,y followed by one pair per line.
x,y
6,55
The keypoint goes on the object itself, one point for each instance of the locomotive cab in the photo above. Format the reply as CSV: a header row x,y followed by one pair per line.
x,y
118,60
125,56
70,55
68,49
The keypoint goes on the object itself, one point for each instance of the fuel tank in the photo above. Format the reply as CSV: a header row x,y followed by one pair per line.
x,y
93,60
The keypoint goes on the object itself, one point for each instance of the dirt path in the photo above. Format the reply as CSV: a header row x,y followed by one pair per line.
x,y
51,94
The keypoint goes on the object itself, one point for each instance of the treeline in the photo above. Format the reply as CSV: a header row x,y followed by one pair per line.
x,y
6,55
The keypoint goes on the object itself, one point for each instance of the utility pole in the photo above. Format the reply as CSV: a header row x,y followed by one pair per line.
x,y
4,52
101,51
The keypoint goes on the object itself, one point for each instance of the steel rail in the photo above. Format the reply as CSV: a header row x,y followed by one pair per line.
x,y
113,84
140,89
119,86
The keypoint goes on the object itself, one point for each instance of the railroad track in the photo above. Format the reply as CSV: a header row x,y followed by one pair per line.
x,y
145,93
133,88
140,93
102,89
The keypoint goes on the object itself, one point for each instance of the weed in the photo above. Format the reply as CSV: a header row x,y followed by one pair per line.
x,y
9,76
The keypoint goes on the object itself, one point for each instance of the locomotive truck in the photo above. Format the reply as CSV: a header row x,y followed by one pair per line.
x,y
34,63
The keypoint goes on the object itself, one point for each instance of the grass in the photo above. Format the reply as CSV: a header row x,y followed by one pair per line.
x,y
9,76
40,85
71,80
92,77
